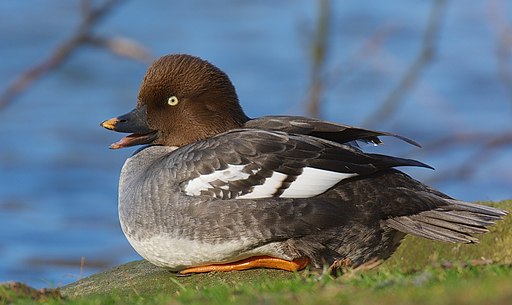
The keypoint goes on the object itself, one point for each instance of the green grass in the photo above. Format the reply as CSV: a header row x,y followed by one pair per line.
x,y
496,245
421,272
459,284
383,287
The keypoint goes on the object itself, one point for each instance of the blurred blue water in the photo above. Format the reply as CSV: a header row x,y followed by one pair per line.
x,y
58,180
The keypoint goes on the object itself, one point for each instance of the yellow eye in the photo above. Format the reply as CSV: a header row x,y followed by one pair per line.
x,y
173,101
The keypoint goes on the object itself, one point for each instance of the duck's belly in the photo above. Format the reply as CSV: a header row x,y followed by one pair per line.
x,y
179,253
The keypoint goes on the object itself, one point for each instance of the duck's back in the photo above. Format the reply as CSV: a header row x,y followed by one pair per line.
x,y
203,196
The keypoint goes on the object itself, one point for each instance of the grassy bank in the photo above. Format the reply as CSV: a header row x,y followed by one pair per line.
x,y
421,272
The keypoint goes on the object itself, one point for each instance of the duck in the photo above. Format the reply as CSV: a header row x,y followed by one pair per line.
x,y
211,189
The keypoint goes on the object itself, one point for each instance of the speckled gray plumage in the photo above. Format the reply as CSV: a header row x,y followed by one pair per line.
x,y
351,220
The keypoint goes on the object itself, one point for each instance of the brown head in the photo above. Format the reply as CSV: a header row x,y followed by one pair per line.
x,y
182,99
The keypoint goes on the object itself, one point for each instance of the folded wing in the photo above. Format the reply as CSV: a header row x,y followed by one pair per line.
x,y
248,163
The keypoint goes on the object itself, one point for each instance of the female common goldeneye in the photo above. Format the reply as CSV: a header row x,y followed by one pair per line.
x,y
214,190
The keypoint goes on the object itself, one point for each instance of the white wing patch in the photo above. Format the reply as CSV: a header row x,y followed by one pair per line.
x,y
309,183
201,183
313,181
268,189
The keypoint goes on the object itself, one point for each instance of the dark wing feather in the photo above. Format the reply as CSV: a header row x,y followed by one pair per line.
x,y
252,157
325,130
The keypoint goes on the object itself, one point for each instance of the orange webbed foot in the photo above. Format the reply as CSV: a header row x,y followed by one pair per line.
x,y
250,263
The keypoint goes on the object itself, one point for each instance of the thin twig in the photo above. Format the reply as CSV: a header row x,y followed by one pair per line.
x,y
122,47
489,145
484,153
319,52
353,62
82,267
411,77
443,143
503,51
91,17
503,31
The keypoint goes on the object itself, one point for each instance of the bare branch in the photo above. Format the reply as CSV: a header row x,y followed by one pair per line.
x,y
395,98
319,51
443,143
85,7
475,161
122,47
91,17
490,144
503,31
353,62
503,51
28,77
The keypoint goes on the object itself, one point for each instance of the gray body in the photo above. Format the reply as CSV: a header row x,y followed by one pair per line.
x,y
355,220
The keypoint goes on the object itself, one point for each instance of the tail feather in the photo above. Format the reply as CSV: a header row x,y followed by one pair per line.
x,y
455,226
454,222
457,205
448,235
411,226
460,217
